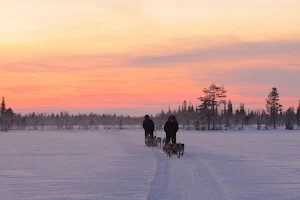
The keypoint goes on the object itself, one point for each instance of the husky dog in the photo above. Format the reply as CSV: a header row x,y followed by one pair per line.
x,y
150,141
158,142
164,148
164,141
153,141
169,149
147,140
178,149
182,147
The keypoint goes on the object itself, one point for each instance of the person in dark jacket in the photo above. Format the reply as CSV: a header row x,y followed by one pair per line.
x,y
171,128
148,125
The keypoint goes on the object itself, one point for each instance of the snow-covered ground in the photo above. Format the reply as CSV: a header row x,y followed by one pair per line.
x,y
112,165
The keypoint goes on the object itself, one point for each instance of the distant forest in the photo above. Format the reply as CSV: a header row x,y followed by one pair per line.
x,y
214,112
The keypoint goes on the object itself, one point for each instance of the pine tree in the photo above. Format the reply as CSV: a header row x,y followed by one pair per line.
x,y
273,105
222,116
229,114
211,99
229,109
3,115
169,110
265,118
179,110
298,115
162,114
236,117
121,121
224,102
184,106
190,107
242,110
205,110
259,119
289,118
92,121
241,115
3,106
7,116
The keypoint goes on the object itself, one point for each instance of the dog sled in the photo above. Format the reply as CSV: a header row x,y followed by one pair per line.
x,y
170,149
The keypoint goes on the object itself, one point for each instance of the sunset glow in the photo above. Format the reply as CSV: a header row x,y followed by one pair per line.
x,y
137,56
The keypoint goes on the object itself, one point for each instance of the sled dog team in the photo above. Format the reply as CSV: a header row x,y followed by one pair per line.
x,y
171,127
153,141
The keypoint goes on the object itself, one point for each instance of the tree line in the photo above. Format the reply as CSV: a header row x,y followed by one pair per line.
x,y
214,112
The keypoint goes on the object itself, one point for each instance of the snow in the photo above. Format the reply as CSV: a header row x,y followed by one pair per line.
x,y
112,165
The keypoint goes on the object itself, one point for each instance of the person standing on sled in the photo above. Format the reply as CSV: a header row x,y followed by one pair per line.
x,y
148,125
171,128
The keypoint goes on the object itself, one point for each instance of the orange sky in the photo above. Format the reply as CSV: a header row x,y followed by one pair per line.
x,y
137,56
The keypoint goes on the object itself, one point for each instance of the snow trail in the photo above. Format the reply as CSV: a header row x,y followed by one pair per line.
x,y
184,178
116,165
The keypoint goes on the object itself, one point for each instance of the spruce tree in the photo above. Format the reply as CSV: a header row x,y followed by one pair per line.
x,y
184,106
298,115
190,107
265,118
205,110
229,109
162,114
259,119
289,118
229,114
6,116
9,118
242,110
236,117
241,115
3,106
169,110
273,105
179,110
174,112
224,102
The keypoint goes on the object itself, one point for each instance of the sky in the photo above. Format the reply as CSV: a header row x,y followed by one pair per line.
x,y
139,56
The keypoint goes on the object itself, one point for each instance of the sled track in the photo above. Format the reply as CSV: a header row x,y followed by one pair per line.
x,y
186,178
158,188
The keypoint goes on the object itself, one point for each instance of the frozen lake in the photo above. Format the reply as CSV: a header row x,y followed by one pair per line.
x,y
112,165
